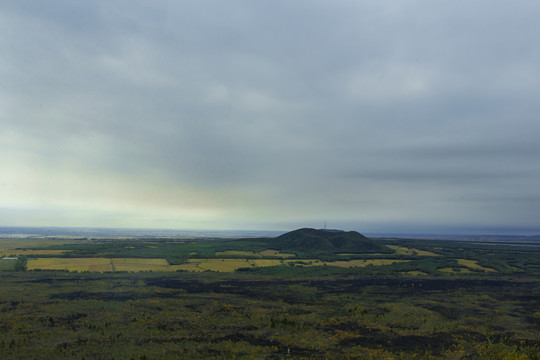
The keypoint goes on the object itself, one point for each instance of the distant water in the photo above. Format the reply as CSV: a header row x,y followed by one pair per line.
x,y
100,232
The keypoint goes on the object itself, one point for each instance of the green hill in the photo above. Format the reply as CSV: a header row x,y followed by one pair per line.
x,y
328,241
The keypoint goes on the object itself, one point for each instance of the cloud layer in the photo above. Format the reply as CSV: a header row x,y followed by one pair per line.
x,y
385,116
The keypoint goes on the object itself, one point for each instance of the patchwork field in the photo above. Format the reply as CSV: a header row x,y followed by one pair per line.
x,y
473,264
264,253
219,265
135,265
400,250
27,247
69,264
99,264
413,258
191,265
144,298
415,273
470,266
361,263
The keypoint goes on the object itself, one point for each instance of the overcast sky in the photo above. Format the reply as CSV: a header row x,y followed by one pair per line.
x,y
376,116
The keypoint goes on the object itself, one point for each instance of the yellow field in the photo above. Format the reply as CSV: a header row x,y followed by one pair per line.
x,y
266,262
400,250
99,264
135,265
425,253
450,270
415,273
220,265
192,265
473,264
344,263
77,264
470,264
225,265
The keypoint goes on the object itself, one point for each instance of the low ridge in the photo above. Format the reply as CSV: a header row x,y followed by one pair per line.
x,y
308,239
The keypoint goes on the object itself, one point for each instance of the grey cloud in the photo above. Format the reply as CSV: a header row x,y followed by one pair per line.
x,y
443,175
273,104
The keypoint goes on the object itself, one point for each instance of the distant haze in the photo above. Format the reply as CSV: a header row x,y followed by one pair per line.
x,y
376,116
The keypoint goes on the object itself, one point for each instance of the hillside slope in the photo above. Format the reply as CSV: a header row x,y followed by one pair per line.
x,y
312,240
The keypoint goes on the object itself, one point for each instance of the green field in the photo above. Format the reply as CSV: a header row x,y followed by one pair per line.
x,y
411,257
7,264
65,315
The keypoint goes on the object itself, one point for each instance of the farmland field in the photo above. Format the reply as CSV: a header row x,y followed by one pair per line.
x,y
473,264
411,251
264,253
99,264
7,264
276,253
31,252
68,264
450,270
196,265
27,247
361,263
236,299
135,265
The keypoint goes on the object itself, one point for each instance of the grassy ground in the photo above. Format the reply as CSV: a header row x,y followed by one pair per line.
x,y
7,264
409,257
59,315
